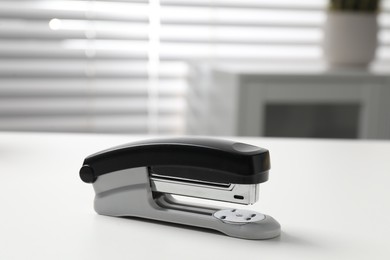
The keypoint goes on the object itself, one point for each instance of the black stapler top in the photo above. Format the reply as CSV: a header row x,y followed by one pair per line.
x,y
202,159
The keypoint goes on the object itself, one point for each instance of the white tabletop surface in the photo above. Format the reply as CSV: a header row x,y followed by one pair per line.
x,y
332,199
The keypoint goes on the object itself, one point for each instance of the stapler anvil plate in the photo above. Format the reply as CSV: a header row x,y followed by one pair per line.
x,y
139,179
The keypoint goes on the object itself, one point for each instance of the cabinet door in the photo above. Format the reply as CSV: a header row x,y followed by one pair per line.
x,y
333,109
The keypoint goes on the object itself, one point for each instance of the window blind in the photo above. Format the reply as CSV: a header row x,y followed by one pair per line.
x,y
121,66
83,66
251,30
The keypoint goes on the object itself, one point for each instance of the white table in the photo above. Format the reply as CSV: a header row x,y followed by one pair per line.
x,y
332,199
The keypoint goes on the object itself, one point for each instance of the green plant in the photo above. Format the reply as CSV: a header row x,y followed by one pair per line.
x,y
368,6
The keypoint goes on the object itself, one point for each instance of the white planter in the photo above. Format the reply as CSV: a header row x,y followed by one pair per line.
x,y
350,39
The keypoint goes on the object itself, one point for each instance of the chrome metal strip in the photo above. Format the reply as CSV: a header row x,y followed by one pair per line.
x,y
235,193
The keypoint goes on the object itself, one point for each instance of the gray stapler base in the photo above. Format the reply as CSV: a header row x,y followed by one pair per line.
x,y
128,193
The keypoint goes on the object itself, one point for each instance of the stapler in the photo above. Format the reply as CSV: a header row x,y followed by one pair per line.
x,y
141,179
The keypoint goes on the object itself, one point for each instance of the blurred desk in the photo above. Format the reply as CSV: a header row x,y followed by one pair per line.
x,y
331,198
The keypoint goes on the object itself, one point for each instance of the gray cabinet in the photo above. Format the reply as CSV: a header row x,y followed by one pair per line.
x,y
316,104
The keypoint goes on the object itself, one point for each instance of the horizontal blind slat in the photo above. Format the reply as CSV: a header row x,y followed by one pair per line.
x,y
111,124
31,87
85,106
60,68
72,29
114,11
271,5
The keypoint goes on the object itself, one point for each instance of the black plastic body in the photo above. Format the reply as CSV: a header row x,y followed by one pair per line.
x,y
204,159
